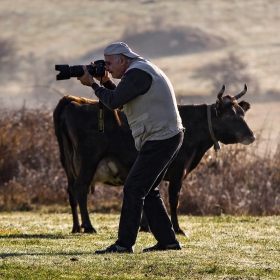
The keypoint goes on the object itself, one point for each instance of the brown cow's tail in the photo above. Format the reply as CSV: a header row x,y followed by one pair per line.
x,y
65,100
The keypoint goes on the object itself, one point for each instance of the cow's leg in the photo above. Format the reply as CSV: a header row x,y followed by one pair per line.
x,y
90,157
174,204
81,188
174,188
72,200
144,226
74,204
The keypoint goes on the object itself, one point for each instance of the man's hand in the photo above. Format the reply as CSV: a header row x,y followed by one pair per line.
x,y
86,79
105,78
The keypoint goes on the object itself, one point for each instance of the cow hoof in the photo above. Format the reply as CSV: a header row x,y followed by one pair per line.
x,y
144,229
181,232
90,230
77,230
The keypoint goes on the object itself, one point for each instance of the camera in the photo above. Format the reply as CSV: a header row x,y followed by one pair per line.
x,y
66,71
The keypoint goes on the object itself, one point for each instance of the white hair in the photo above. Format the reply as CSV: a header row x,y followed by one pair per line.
x,y
127,59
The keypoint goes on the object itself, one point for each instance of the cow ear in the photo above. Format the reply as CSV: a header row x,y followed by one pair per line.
x,y
218,103
218,107
244,105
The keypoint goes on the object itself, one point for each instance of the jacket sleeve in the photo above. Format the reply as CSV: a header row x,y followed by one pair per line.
x,y
135,82
110,85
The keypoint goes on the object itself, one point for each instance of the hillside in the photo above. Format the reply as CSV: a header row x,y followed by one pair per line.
x,y
179,36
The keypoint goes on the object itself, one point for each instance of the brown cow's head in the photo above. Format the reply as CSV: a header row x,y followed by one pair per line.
x,y
228,123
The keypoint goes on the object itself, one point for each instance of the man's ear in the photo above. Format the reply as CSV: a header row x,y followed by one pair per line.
x,y
122,60
245,105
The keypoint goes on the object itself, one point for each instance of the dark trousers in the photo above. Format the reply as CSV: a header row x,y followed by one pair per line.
x,y
141,192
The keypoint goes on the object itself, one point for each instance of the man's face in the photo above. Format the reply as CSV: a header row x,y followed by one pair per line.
x,y
116,65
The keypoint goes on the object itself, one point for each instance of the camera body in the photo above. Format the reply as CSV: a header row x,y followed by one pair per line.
x,y
67,72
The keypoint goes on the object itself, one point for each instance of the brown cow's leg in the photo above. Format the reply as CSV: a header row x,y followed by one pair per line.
x,y
174,192
81,188
74,203
144,226
89,162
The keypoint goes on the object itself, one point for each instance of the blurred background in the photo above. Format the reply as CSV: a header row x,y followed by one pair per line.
x,y
199,44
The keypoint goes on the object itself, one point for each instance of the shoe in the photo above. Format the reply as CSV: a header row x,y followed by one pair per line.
x,y
158,247
115,249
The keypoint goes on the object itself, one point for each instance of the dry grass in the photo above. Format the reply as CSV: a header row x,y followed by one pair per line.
x,y
237,181
240,180
29,167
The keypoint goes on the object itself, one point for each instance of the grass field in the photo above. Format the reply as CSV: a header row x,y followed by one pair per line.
x,y
40,246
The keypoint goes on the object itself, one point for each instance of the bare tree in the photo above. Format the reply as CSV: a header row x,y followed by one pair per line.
x,y
7,58
231,71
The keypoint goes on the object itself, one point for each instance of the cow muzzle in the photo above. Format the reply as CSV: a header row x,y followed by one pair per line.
x,y
248,140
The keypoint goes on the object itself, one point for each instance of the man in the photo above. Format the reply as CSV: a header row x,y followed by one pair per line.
x,y
149,104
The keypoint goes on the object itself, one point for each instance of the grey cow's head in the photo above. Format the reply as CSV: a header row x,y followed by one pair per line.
x,y
229,125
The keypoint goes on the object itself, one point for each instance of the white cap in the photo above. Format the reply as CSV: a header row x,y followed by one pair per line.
x,y
120,48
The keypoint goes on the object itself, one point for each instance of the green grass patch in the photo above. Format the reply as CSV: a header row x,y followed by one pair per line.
x,y
40,246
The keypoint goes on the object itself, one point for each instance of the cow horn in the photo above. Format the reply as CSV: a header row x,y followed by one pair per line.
x,y
220,94
241,93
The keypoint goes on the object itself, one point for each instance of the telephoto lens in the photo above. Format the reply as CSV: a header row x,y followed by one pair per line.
x,y
67,72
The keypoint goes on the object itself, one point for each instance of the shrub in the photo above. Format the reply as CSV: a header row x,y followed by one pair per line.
x,y
238,180
29,160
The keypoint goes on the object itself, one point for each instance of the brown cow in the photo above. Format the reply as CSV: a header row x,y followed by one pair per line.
x,y
89,156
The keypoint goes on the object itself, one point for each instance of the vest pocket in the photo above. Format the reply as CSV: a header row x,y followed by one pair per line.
x,y
138,137
138,131
128,109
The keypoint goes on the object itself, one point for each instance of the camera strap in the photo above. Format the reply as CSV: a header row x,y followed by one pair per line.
x,y
101,114
101,117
